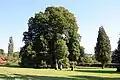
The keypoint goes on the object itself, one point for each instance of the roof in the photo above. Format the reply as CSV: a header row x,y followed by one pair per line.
x,y
2,60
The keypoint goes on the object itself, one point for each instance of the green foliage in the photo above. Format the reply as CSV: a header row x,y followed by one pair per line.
x,y
2,54
103,47
61,52
65,62
94,59
26,55
61,49
82,51
116,55
13,58
82,54
45,30
74,49
86,59
10,46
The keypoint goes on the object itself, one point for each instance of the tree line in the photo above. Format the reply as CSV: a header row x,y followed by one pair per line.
x,y
52,39
10,57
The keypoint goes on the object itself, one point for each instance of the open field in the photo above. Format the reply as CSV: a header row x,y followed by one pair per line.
x,y
87,73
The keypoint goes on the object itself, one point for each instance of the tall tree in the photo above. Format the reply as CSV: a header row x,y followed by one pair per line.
x,y
10,45
45,29
103,47
116,55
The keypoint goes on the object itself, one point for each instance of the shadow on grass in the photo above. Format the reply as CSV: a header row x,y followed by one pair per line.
x,y
98,71
87,67
18,66
29,77
94,78
14,66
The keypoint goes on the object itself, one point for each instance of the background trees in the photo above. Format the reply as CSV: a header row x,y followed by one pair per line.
x,y
116,55
10,45
103,47
11,57
44,41
2,54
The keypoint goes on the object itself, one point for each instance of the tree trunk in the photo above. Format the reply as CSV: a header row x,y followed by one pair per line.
x,y
56,65
60,66
72,67
103,65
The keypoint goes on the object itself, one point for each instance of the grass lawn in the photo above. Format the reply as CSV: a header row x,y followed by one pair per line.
x,y
83,73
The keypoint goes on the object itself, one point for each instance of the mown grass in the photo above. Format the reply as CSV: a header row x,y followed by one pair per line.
x,y
82,73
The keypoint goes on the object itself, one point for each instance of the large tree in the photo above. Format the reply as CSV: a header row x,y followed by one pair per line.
x,y
116,56
103,47
44,29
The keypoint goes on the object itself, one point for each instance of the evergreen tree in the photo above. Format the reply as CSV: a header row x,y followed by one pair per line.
x,y
116,56
10,46
103,47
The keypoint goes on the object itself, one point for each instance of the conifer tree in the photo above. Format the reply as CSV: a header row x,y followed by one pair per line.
x,y
10,45
116,56
103,47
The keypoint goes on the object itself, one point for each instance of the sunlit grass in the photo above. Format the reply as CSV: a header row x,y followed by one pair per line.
x,y
82,73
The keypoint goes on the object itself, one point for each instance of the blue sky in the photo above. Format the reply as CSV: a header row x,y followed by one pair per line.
x,y
91,14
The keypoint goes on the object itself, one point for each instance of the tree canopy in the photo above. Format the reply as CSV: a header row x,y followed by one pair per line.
x,y
45,31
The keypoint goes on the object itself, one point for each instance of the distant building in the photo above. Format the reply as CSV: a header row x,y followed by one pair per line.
x,y
2,60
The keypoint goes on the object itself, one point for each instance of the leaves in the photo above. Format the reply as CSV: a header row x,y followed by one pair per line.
x,y
2,53
116,54
103,47
45,32
61,49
